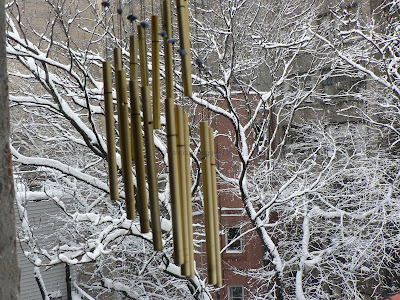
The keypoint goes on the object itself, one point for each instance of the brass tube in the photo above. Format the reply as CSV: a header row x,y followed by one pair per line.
x,y
133,73
136,122
188,178
151,168
125,144
215,209
184,42
118,67
109,114
208,209
174,181
185,269
144,71
117,59
167,29
142,202
155,59
133,59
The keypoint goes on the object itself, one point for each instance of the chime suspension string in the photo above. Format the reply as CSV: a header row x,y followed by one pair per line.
x,y
167,37
199,62
119,12
131,18
105,8
142,11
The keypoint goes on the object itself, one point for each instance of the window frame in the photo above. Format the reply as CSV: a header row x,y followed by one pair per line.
x,y
227,241
230,291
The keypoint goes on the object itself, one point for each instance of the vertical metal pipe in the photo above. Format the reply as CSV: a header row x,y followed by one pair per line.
x,y
167,29
117,59
109,114
174,181
155,59
133,74
144,71
208,209
215,210
188,178
118,67
133,59
125,144
139,156
151,168
183,199
184,42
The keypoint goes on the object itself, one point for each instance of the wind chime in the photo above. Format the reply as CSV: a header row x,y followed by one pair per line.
x,y
177,127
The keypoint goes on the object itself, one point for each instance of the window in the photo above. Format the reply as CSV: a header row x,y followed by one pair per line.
x,y
232,235
235,293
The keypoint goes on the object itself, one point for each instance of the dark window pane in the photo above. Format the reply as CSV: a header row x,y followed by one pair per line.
x,y
235,293
233,233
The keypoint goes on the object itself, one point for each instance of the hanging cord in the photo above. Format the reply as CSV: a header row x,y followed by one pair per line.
x,y
105,6
119,12
198,61
142,10
131,17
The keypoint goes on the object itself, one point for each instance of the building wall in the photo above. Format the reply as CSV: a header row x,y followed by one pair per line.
x,y
43,222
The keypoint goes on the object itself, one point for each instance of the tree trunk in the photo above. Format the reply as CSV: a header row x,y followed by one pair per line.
x,y
9,270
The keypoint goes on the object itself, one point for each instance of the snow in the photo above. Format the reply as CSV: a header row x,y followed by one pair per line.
x,y
76,296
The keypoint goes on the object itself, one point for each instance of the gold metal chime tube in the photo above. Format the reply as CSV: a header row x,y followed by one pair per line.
x,y
151,169
183,199
184,42
136,123
149,142
117,67
125,145
215,209
109,114
208,207
144,71
189,213
174,181
133,75
155,62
